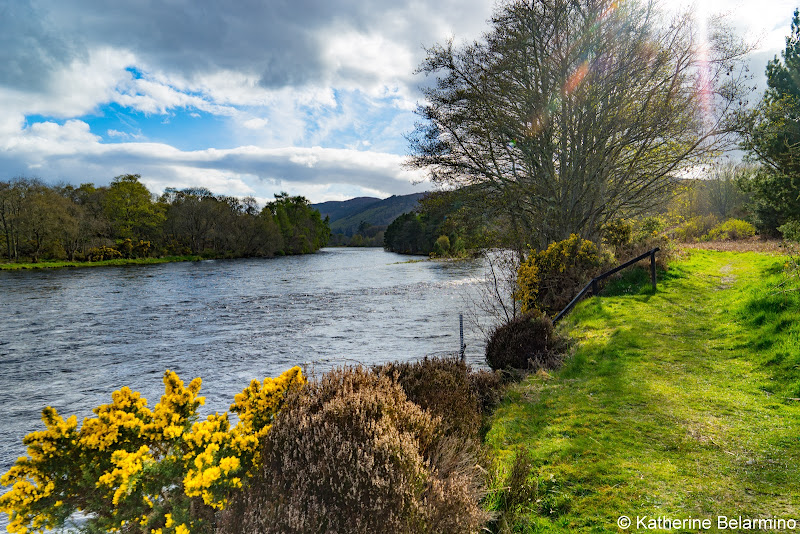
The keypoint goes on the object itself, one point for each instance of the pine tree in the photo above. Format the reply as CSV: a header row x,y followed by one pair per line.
x,y
774,139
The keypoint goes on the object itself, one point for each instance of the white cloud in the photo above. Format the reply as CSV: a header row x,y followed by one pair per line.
x,y
368,62
124,135
255,124
72,153
73,90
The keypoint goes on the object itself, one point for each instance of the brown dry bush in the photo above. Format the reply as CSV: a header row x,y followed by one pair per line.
x,y
526,342
350,453
488,387
442,387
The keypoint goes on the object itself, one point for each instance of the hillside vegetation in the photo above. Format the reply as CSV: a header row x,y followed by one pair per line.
x,y
681,403
347,216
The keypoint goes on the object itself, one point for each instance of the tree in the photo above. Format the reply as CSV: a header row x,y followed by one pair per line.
x,y
572,112
724,196
87,222
302,228
11,200
46,215
773,138
130,208
191,216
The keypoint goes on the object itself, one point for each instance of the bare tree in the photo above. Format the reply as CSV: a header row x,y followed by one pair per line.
x,y
495,301
724,196
572,112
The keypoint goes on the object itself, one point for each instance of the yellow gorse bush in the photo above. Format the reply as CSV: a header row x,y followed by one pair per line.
x,y
145,471
548,278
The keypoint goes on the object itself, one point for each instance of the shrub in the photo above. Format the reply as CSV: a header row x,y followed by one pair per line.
x,y
442,387
645,235
353,454
441,247
618,233
790,231
730,230
145,470
526,342
103,253
125,248
695,228
457,247
487,387
547,280
647,228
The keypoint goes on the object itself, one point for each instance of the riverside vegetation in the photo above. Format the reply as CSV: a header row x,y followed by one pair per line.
x,y
124,223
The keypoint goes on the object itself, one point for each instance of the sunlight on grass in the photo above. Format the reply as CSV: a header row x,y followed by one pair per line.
x,y
675,403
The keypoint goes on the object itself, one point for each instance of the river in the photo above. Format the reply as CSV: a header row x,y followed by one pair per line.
x,y
68,338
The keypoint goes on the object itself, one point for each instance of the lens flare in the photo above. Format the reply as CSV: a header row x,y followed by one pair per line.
x,y
704,79
577,77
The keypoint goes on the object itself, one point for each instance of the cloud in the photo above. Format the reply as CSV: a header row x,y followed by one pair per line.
x,y
71,89
72,153
255,124
275,44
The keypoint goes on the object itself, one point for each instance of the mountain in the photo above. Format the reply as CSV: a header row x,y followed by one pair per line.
x,y
346,216
340,209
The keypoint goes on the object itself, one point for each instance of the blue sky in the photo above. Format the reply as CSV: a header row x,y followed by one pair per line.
x,y
244,98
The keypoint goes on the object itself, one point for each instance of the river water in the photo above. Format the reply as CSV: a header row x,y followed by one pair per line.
x,y
68,338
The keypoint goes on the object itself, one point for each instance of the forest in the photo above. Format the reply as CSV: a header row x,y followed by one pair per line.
x,y
40,222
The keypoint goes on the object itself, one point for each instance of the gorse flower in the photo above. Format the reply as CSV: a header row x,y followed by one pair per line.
x,y
220,457
548,275
149,471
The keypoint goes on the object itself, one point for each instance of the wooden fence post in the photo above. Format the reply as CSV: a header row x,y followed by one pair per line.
x,y
653,269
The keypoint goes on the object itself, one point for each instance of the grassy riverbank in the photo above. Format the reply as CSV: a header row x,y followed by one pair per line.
x,y
679,404
105,263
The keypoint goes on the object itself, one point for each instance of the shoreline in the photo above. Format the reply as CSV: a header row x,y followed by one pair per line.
x,y
104,263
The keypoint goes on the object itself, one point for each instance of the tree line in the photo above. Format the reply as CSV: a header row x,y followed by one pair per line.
x,y
124,219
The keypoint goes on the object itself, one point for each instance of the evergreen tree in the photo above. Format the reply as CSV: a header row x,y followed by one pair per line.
x,y
774,139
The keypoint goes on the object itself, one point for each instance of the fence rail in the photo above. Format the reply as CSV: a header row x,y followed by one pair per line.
x,y
593,284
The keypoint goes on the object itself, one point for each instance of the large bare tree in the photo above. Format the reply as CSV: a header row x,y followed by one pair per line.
x,y
572,112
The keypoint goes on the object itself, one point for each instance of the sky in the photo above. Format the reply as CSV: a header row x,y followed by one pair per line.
x,y
245,97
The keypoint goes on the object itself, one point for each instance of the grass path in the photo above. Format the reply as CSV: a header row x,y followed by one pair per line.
x,y
675,404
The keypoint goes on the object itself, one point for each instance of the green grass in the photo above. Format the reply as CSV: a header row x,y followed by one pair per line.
x,y
679,403
105,263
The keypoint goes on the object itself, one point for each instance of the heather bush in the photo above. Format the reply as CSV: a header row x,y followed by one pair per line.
x,y
487,387
527,342
548,279
730,230
352,454
441,386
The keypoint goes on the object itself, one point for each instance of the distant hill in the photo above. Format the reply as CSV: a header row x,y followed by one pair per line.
x,y
346,216
340,209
